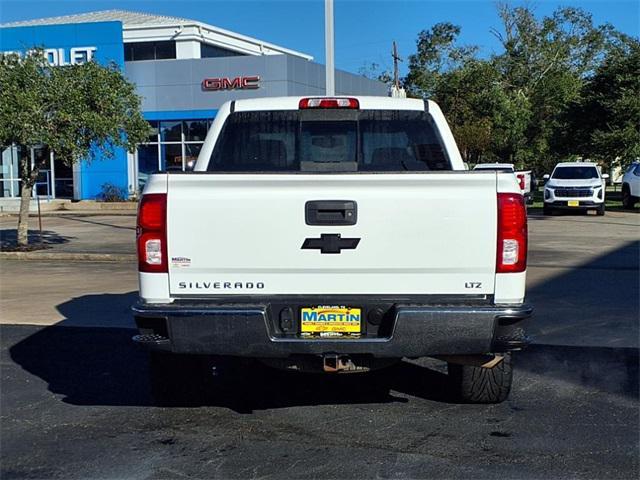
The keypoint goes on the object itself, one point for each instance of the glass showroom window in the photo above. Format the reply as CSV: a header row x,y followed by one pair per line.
x,y
55,179
9,170
173,145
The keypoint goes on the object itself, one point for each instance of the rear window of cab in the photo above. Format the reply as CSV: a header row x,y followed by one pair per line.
x,y
329,141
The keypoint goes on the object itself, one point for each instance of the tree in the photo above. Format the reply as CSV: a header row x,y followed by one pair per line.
x,y
436,54
543,65
604,122
373,71
78,111
509,106
488,121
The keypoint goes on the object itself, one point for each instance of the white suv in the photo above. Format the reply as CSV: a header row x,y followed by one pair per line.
x,y
575,186
631,185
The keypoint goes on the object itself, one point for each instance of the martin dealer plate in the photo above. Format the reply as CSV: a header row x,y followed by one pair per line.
x,y
332,320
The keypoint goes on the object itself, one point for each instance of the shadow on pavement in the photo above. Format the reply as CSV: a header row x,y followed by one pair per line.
x,y
596,303
625,258
100,366
94,222
103,310
592,219
9,236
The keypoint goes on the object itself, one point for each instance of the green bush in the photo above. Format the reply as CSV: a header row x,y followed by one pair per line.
x,y
112,193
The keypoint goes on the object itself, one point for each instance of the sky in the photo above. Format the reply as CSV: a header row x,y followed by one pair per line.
x,y
364,29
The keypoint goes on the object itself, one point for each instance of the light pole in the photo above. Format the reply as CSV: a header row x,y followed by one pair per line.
x,y
330,80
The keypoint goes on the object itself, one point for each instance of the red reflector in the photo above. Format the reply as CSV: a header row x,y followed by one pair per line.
x,y
328,103
151,233
511,252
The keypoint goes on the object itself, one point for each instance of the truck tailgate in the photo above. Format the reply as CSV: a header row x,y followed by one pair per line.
x,y
240,234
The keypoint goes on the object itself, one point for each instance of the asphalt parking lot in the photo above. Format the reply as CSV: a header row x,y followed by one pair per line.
x,y
75,399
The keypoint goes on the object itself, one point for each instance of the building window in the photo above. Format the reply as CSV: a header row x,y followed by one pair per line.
x,y
171,131
134,52
12,156
174,145
210,51
55,178
165,50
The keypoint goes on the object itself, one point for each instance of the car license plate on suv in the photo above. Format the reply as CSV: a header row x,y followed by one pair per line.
x,y
331,320
573,203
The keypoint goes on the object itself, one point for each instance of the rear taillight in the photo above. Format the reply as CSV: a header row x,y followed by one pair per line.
x,y
306,103
521,181
152,233
512,233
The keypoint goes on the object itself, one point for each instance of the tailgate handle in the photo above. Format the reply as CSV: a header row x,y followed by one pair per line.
x,y
331,212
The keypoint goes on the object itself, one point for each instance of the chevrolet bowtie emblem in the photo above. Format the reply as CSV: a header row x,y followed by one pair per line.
x,y
330,243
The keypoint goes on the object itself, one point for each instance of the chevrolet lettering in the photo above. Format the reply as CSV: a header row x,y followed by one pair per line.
x,y
371,241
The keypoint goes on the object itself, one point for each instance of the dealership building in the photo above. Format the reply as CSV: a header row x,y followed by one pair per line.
x,y
183,70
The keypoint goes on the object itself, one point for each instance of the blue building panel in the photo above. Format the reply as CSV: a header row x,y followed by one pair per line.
x,y
103,171
105,37
65,44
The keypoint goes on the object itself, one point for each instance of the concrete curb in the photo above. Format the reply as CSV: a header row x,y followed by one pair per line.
x,y
70,256
77,213
59,206
91,206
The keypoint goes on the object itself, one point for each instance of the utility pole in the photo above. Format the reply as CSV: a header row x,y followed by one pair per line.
x,y
396,91
396,59
328,45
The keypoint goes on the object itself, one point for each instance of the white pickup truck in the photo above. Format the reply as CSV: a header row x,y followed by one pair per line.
x,y
524,177
338,234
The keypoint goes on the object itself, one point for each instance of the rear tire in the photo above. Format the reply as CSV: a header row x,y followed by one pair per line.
x,y
472,384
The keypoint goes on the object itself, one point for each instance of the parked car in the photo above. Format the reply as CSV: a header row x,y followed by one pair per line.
x,y
577,186
631,185
525,177
334,234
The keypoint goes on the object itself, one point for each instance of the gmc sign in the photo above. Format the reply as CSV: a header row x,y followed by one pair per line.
x,y
224,83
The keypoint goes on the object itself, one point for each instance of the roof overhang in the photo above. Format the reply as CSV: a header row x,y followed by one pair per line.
x,y
197,31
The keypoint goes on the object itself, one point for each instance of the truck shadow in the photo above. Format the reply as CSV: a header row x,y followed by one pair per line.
x,y
100,366
596,303
89,365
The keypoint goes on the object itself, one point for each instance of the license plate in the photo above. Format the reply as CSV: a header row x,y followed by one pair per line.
x,y
573,203
332,320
